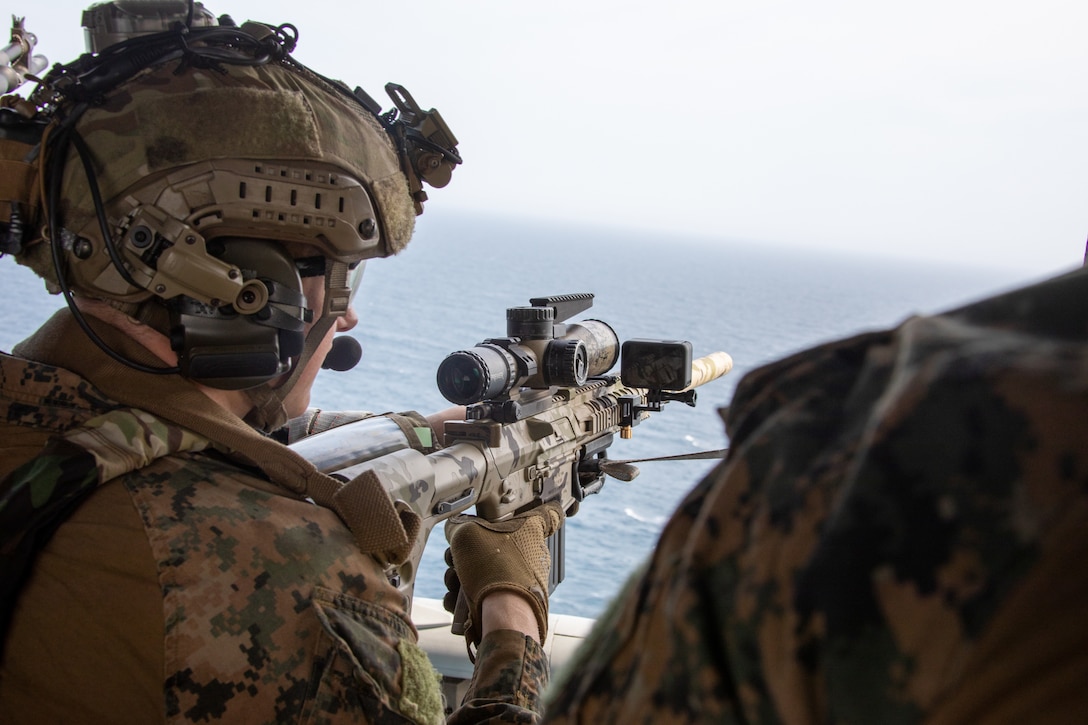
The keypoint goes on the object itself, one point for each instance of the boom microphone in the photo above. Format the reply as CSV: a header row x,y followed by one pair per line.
x,y
344,355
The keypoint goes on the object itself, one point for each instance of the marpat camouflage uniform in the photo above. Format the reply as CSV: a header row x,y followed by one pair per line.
x,y
898,535
189,587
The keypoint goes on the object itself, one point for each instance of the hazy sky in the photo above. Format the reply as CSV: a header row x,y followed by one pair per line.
x,y
942,130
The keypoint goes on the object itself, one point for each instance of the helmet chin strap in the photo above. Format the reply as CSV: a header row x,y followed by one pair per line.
x,y
268,411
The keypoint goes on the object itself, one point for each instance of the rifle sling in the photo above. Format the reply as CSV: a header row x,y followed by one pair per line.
x,y
701,455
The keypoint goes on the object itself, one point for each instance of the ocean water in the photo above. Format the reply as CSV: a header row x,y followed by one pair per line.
x,y
450,289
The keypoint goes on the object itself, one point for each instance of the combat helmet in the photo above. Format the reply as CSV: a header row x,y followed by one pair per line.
x,y
182,164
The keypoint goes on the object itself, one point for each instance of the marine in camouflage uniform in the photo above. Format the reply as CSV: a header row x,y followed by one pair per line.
x,y
189,586
164,559
898,535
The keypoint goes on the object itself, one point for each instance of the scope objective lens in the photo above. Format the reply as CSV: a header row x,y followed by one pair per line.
x,y
470,376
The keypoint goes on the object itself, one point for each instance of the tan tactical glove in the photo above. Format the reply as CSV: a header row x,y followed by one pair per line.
x,y
509,555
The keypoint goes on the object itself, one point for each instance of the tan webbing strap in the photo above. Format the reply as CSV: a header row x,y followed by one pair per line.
x,y
379,527
18,180
268,413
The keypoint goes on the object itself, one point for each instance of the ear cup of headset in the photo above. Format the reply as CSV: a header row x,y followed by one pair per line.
x,y
225,348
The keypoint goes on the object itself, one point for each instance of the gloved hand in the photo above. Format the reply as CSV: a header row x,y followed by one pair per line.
x,y
509,555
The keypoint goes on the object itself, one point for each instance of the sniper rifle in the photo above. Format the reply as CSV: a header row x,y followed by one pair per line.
x,y
541,414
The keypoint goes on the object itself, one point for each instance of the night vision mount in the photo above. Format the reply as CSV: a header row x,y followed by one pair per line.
x,y
427,147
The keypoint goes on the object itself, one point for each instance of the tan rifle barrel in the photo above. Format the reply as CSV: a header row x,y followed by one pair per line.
x,y
710,367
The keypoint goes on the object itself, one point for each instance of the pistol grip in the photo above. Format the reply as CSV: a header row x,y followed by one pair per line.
x,y
460,614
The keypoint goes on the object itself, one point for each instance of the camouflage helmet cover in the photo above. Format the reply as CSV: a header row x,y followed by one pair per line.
x,y
269,151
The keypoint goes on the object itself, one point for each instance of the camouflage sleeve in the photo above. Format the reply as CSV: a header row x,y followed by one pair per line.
x,y
316,420
510,675
892,539
413,426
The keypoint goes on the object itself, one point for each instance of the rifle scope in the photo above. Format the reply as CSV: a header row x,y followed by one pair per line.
x,y
538,353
